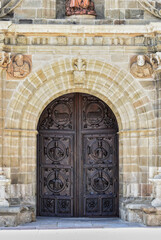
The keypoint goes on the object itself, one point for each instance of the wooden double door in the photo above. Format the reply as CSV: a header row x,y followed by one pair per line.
x,y
77,158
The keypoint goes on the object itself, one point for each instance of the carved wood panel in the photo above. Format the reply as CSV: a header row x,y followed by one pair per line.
x,y
77,158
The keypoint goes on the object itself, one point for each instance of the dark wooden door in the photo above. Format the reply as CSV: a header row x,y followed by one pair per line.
x,y
77,158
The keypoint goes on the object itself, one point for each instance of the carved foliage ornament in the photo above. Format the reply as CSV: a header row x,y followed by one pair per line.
x,y
154,7
79,66
142,66
6,6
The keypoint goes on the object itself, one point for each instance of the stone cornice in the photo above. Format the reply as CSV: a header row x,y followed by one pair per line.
x,y
80,35
77,29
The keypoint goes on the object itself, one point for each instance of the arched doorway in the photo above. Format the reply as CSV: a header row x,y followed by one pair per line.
x,y
77,158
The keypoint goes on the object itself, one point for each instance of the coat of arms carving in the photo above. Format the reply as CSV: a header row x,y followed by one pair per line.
x,y
79,66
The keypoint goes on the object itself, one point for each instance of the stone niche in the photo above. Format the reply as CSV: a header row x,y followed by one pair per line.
x,y
99,7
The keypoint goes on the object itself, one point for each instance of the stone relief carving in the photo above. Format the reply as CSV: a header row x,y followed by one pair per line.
x,y
155,60
20,66
79,66
5,59
80,7
6,6
141,67
154,7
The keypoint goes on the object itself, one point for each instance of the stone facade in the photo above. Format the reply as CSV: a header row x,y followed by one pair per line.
x,y
107,48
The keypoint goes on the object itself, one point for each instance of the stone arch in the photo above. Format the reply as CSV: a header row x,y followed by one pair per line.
x,y
114,86
117,88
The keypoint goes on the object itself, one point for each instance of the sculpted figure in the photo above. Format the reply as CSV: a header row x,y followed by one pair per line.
x,y
19,67
4,59
141,68
80,7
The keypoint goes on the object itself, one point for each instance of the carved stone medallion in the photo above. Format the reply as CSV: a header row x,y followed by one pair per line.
x,y
20,66
7,6
141,67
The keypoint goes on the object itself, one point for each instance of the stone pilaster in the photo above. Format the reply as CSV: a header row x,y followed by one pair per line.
x,y
49,9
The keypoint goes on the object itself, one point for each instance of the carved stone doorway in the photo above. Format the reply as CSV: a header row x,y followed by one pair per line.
x,y
77,158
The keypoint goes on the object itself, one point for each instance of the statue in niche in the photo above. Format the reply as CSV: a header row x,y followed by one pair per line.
x,y
80,7
141,67
19,67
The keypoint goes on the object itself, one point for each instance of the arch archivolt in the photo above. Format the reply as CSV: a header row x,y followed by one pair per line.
x,y
116,87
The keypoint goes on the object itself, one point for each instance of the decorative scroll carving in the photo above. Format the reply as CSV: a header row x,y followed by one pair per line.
x,y
56,150
100,182
141,67
92,205
20,66
97,115
5,59
152,7
55,182
64,206
48,205
7,6
58,115
80,7
79,66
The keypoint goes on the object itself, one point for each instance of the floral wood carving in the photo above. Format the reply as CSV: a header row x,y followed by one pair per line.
x,y
5,59
8,6
151,6
79,66
20,66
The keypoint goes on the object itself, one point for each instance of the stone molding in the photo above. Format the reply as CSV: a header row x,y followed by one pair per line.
x,y
25,40
57,35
